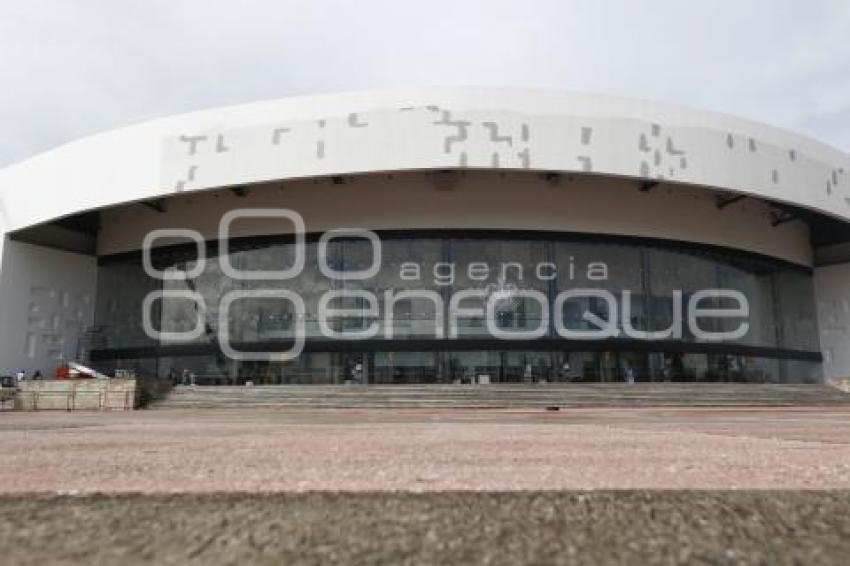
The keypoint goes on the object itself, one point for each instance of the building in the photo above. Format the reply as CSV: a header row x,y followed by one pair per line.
x,y
505,235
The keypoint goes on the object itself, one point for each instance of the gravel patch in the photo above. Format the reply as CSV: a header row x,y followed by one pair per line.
x,y
663,527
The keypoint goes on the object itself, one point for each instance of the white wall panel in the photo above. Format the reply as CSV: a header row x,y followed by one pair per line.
x,y
46,304
832,290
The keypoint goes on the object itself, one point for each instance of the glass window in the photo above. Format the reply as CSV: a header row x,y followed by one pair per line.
x,y
612,268
643,280
121,289
502,269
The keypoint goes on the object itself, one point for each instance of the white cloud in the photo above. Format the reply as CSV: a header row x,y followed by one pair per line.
x,y
70,68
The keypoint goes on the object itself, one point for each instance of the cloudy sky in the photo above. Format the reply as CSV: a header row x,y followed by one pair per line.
x,y
73,67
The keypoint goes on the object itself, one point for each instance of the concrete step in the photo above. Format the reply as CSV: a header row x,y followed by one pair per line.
x,y
503,396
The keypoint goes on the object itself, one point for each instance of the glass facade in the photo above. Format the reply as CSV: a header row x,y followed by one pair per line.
x,y
480,307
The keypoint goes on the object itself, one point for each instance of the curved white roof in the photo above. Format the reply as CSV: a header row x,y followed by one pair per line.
x,y
424,129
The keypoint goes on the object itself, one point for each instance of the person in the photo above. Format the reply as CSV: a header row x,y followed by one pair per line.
x,y
667,371
630,374
20,376
37,374
185,377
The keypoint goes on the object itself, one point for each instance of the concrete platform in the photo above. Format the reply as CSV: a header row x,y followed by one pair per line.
x,y
76,395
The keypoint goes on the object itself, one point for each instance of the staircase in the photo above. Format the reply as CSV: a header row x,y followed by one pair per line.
x,y
504,396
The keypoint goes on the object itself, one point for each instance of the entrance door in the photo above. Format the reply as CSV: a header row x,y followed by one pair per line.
x,y
353,367
405,367
475,367
616,367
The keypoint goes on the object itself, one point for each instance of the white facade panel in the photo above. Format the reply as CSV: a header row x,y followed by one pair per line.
x,y
832,290
437,128
46,304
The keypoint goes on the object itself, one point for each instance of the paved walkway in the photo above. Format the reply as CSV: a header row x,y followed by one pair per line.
x,y
254,449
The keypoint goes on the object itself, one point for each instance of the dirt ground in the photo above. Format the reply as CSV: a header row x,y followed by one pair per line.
x,y
660,527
